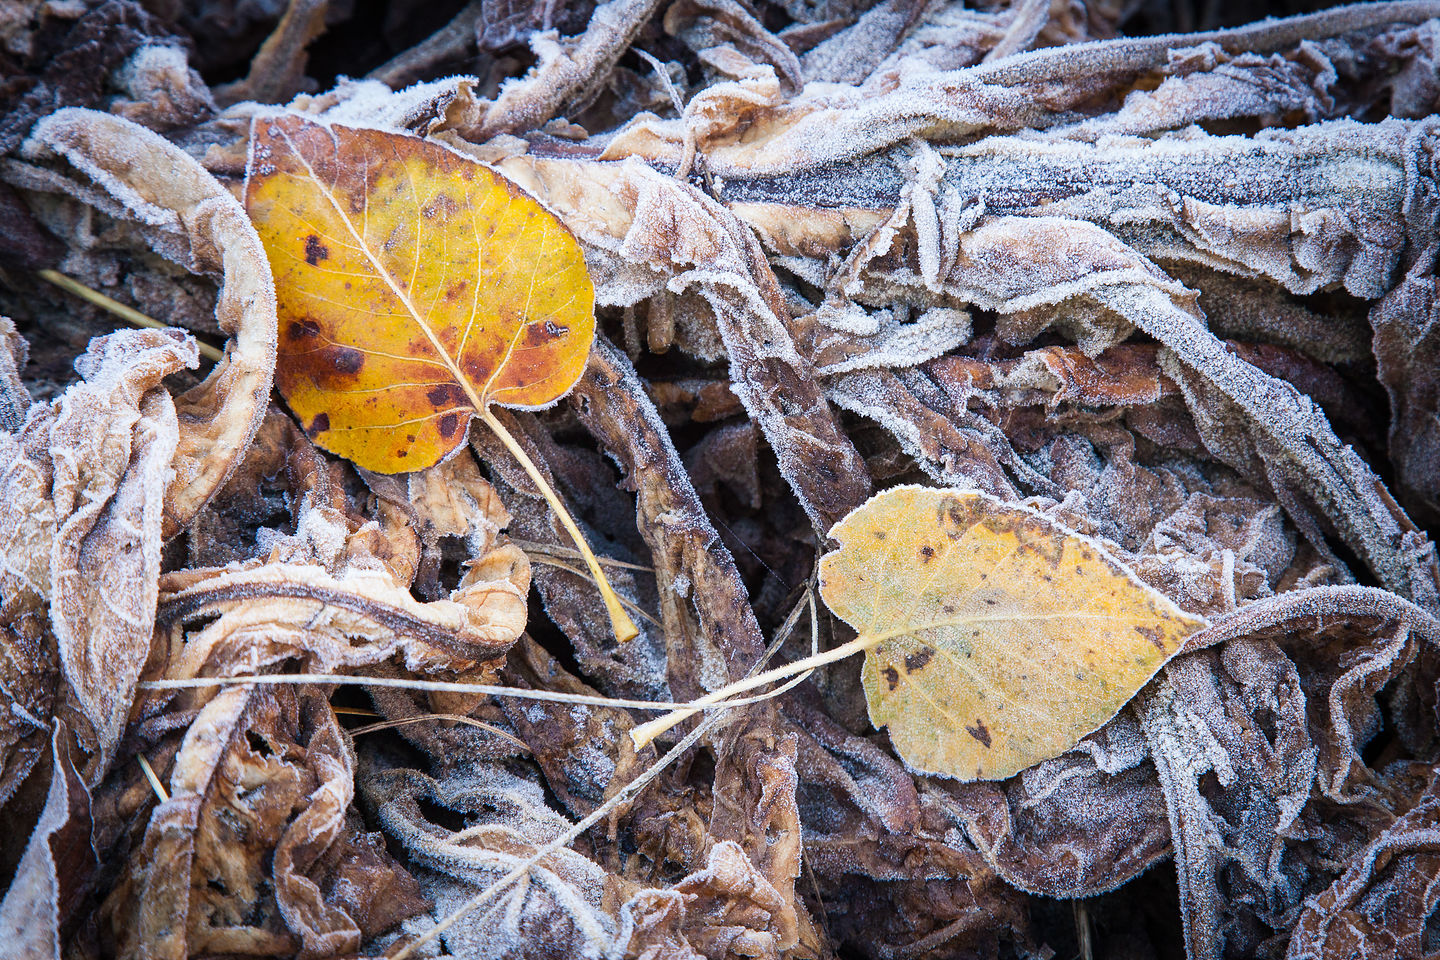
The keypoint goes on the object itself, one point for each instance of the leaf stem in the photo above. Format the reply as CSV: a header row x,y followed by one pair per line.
x,y
128,314
646,732
620,621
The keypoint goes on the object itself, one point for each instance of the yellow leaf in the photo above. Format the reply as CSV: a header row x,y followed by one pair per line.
x,y
994,637
415,287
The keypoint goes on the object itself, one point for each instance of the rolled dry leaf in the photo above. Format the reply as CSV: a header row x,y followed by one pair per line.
x,y
283,610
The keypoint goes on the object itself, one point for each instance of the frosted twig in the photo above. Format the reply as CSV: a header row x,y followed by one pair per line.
x,y
429,686
1147,53
450,42
128,314
277,68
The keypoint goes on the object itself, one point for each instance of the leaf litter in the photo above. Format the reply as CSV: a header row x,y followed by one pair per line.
x,y
1164,299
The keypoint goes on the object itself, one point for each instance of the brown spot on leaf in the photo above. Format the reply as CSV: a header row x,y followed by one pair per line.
x,y
927,553
348,360
916,661
539,334
439,206
955,516
319,425
892,677
1153,635
1049,544
302,329
444,395
979,732
315,251
448,424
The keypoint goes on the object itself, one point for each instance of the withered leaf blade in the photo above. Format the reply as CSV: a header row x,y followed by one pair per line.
x,y
998,638
415,287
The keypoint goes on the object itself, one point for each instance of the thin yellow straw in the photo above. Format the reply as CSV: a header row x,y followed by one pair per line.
x,y
128,314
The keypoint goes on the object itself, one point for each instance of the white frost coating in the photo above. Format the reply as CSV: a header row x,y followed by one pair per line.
x,y
892,344
1183,750
853,54
591,762
830,123
370,103
1308,208
324,531
164,91
863,392
927,170
43,140
681,585
848,317
150,57
499,929
1206,84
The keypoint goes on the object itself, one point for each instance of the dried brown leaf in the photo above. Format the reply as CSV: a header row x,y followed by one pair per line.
x,y
1380,907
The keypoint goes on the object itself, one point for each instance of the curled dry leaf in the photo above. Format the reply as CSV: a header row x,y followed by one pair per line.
x,y
756,807
327,597
57,863
1380,906
1278,665
563,899
234,859
278,611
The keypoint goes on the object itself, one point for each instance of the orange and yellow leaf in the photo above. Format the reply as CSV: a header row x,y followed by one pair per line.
x,y
415,287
